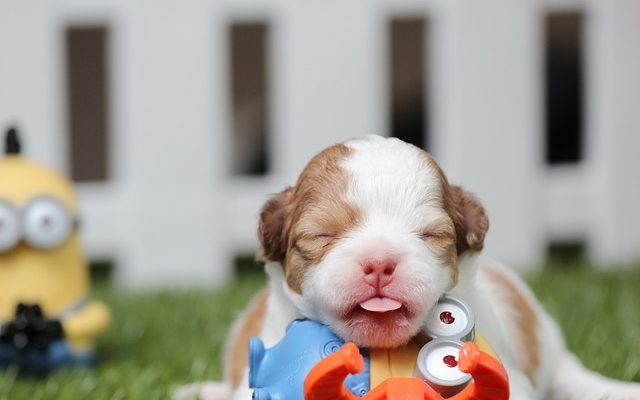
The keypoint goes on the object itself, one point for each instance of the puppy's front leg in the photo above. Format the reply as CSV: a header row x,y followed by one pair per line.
x,y
204,391
520,387
243,392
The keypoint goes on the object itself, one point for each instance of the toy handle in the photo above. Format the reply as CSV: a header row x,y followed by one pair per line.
x,y
490,381
325,381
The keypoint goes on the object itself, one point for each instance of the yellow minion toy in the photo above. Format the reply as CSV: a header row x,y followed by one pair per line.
x,y
46,318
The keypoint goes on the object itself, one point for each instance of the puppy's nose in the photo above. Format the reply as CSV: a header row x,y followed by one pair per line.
x,y
378,272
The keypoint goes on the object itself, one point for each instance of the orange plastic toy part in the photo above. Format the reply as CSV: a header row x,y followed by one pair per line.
x,y
325,381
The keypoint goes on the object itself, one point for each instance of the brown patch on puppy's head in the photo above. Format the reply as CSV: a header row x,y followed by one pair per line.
x,y
301,224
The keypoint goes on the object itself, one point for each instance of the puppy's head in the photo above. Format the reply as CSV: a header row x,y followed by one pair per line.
x,y
369,238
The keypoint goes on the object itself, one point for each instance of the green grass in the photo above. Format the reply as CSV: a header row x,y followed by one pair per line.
x,y
157,341
599,313
161,340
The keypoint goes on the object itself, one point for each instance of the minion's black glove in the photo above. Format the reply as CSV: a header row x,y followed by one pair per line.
x,y
31,330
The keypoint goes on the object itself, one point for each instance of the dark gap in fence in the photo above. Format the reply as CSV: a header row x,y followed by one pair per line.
x,y
564,114
567,254
101,270
88,102
408,80
245,265
248,46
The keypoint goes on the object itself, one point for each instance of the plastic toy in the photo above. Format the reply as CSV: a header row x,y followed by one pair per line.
x,y
443,368
46,318
279,372
324,382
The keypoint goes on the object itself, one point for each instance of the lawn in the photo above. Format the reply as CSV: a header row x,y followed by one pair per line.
x,y
160,340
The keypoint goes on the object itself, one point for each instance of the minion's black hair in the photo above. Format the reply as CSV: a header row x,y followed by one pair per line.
x,y
11,141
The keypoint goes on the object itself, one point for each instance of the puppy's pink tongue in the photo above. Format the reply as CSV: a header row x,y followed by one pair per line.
x,y
380,304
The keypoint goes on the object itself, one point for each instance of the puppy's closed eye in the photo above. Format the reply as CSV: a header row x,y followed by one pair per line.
x,y
322,236
313,241
435,235
437,231
428,234
307,241
312,248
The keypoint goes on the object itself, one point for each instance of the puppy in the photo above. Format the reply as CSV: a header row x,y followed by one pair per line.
x,y
368,239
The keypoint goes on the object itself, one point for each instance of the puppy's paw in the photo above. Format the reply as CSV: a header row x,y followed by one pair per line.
x,y
203,391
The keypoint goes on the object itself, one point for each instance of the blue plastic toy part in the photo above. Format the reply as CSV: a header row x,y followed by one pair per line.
x,y
58,354
278,373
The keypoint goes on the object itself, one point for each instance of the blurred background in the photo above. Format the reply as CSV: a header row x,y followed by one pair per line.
x,y
177,120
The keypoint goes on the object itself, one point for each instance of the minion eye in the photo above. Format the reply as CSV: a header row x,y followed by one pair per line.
x,y
46,223
9,227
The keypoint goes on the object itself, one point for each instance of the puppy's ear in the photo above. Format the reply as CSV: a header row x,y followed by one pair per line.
x,y
469,218
272,230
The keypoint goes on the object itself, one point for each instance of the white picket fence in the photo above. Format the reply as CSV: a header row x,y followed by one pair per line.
x,y
171,214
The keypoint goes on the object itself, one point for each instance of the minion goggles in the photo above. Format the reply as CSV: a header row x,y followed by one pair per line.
x,y
43,223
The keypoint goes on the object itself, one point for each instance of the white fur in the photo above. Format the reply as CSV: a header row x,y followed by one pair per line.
x,y
398,194
204,390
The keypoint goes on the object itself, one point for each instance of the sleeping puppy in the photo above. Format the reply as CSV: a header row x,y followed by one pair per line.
x,y
368,239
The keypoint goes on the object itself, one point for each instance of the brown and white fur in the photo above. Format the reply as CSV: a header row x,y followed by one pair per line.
x,y
377,218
